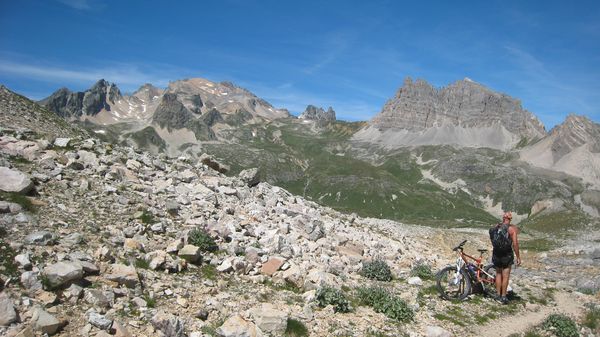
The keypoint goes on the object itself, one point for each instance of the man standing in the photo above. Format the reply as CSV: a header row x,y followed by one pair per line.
x,y
504,241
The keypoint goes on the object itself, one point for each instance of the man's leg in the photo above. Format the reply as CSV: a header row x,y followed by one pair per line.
x,y
498,281
505,278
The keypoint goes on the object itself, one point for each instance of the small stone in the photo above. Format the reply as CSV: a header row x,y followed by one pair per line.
x,y
29,280
168,324
8,314
133,245
157,228
190,253
23,260
62,142
97,298
236,326
270,319
99,321
202,314
123,274
73,292
436,331
40,238
45,297
226,266
250,177
175,246
272,265
415,281
120,330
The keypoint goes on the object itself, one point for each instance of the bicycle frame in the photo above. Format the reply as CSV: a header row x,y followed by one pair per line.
x,y
464,261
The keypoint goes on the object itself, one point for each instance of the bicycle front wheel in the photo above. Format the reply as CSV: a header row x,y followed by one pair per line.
x,y
453,284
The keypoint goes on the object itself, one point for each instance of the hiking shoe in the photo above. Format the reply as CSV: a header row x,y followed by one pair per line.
x,y
498,299
504,300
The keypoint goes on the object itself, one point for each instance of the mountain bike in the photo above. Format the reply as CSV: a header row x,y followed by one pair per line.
x,y
456,282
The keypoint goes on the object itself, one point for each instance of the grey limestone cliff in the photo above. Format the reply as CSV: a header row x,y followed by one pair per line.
x,y
318,114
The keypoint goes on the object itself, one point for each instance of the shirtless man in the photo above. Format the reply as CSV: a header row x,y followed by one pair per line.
x,y
502,255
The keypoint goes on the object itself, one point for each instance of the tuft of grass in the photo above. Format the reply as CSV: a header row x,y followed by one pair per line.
x,y
209,272
295,328
20,199
141,263
146,217
592,318
150,301
423,271
8,266
200,238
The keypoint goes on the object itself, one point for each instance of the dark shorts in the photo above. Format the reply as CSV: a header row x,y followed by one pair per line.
x,y
503,261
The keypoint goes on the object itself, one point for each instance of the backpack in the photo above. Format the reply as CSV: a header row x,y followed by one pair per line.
x,y
501,241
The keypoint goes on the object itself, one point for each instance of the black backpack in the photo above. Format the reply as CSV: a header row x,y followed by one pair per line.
x,y
501,241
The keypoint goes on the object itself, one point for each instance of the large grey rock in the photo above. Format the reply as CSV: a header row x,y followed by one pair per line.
x,y
123,274
44,322
236,326
190,253
168,324
62,273
251,177
270,319
40,238
14,181
8,314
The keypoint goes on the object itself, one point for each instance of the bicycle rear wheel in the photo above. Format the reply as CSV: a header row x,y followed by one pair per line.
x,y
489,282
453,284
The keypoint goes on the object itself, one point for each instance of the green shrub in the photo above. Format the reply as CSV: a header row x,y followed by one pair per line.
x,y
201,239
146,217
592,318
560,325
376,270
327,295
423,271
386,303
295,328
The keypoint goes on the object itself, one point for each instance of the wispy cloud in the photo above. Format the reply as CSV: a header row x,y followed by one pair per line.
x,y
78,4
333,45
127,76
556,93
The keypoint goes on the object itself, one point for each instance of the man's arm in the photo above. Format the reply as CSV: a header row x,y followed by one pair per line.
x,y
512,231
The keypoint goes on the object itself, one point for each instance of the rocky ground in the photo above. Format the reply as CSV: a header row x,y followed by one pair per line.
x,y
101,240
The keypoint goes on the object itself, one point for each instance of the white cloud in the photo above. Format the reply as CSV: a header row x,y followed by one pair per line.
x,y
78,4
127,76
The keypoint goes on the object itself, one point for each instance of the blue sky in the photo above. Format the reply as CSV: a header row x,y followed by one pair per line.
x,y
351,55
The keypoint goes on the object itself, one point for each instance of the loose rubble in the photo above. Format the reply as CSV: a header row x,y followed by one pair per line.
x,y
107,251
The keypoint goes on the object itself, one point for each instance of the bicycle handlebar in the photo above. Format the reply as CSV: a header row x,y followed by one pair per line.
x,y
460,246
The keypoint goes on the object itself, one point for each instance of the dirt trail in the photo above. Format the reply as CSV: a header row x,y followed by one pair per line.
x,y
566,303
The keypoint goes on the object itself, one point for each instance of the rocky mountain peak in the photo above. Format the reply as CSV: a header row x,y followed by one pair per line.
x,y
313,113
464,113
69,104
574,132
